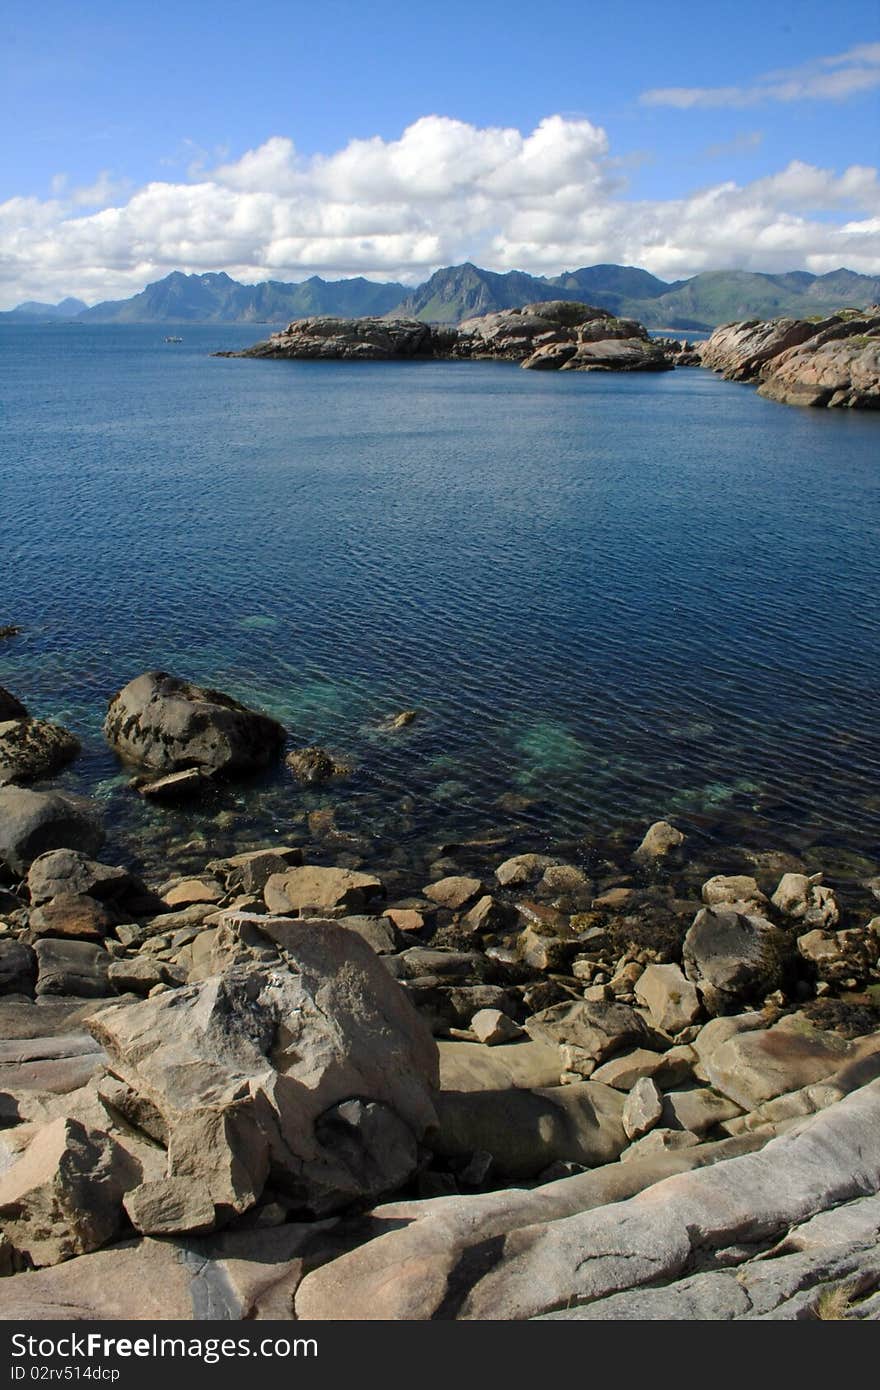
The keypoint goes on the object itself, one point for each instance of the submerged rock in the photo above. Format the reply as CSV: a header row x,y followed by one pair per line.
x,y
173,725
312,766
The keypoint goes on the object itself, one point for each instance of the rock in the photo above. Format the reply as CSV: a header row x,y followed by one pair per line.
x,y
733,957
642,1109
671,1000
423,1252
487,915
552,333
74,968
542,952
466,1066
176,787
315,890
666,1068
18,967
525,1130
839,956
10,707
70,871
828,362
523,868
614,900
806,900
596,1029
360,339
249,872
138,974
169,1205
244,1072
755,1066
698,1110
659,1141
828,370
740,350
659,840
491,1027
33,822
724,889
232,1275
313,765
172,725
72,916
567,879
400,721
64,1195
31,748
407,919
379,933
193,890
455,892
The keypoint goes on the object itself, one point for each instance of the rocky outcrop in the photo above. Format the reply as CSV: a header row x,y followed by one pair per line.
x,y
32,748
550,335
171,725
267,1076
826,362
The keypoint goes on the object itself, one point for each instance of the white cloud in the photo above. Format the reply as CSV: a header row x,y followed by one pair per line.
x,y
827,79
444,192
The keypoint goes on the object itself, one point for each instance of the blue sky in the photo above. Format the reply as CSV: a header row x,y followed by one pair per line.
x,y
102,103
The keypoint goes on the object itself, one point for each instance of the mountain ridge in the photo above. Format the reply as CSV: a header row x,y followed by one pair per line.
x,y
698,304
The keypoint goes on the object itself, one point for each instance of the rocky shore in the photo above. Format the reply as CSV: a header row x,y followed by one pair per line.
x,y
552,335
282,1088
815,362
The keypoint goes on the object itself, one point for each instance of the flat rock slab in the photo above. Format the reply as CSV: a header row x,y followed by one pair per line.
x,y
227,1277
466,1066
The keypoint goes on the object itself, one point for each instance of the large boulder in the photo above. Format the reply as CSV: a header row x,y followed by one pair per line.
x,y
169,724
734,957
31,748
305,1063
33,822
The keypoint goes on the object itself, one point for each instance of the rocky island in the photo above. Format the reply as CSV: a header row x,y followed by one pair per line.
x,y
832,361
551,335
519,1087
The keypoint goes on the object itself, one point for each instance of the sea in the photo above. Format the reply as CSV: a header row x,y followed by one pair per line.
x,y
609,598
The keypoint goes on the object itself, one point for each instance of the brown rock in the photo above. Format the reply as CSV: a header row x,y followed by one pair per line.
x,y
315,890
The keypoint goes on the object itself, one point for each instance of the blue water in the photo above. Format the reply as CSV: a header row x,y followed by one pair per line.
x,y
611,597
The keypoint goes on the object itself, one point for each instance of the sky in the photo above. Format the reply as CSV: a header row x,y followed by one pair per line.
x,y
281,139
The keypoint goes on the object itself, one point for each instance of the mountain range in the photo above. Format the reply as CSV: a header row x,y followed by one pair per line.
x,y
458,292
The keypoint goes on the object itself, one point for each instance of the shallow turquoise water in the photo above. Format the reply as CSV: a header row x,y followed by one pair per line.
x,y
611,598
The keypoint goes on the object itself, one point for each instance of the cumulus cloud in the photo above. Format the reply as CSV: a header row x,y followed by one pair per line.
x,y
827,79
445,191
